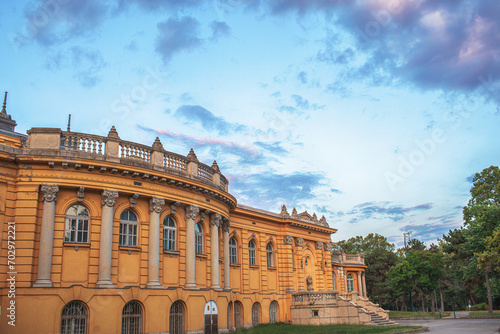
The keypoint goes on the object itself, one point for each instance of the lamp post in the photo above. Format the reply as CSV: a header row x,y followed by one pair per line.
x,y
407,234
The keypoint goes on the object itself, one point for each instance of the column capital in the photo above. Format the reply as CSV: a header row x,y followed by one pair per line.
x,y
319,245
50,192
215,219
109,197
155,204
226,224
191,212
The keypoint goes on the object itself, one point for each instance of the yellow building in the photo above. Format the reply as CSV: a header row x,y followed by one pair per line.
x,y
102,235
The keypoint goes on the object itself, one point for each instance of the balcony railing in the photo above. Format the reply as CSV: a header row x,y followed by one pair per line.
x,y
54,142
342,258
314,297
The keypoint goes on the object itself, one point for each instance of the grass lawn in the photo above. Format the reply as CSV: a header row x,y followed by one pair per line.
x,y
283,328
401,314
496,314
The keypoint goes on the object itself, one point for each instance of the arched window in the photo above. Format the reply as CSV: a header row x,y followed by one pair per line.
x,y
229,309
252,258
198,232
255,314
177,318
74,318
77,224
169,233
269,250
350,283
238,314
333,280
273,312
233,251
128,229
132,318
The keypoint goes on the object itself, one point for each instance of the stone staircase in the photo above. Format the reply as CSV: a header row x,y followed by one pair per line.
x,y
377,320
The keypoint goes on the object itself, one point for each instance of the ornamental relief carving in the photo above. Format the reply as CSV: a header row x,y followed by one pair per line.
x,y
133,200
50,192
155,204
299,242
80,194
174,206
191,212
109,197
288,240
203,214
319,245
328,247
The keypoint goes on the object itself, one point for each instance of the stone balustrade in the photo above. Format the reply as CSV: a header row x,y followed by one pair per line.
x,y
314,297
54,142
342,258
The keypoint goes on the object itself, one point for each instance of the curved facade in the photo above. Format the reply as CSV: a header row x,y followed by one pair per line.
x,y
101,235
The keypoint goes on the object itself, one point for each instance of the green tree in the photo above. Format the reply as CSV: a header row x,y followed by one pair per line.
x,y
462,276
482,217
379,258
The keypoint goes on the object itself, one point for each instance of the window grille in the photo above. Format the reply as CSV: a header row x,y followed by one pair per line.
x,y
255,314
237,315
74,318
169,233
252,258
273,312
177,318
77,224
128,229
132,318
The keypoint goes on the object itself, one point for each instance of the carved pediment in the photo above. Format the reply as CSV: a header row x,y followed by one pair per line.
x,y
305,215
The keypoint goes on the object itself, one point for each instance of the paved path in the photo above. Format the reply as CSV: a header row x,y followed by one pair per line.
x,y
457,326
458,315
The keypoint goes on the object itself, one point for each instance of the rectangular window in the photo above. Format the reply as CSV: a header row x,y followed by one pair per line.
x,y
76,230
169,239
128,234
232,255
199,243
252,257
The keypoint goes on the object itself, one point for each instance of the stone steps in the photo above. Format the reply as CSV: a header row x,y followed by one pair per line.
x,y
379,321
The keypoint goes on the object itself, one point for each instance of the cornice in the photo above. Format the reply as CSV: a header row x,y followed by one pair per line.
x,y
138,173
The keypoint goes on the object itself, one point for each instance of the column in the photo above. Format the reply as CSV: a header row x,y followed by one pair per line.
x,y
225,242
215,222
360,284
364,285
46,236
344,273
155,205
191,213
106,241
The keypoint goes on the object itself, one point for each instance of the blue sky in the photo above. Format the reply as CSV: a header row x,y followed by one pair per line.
x,y
373,113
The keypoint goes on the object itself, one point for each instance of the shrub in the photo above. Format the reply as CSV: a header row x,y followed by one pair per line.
x,y
480,307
